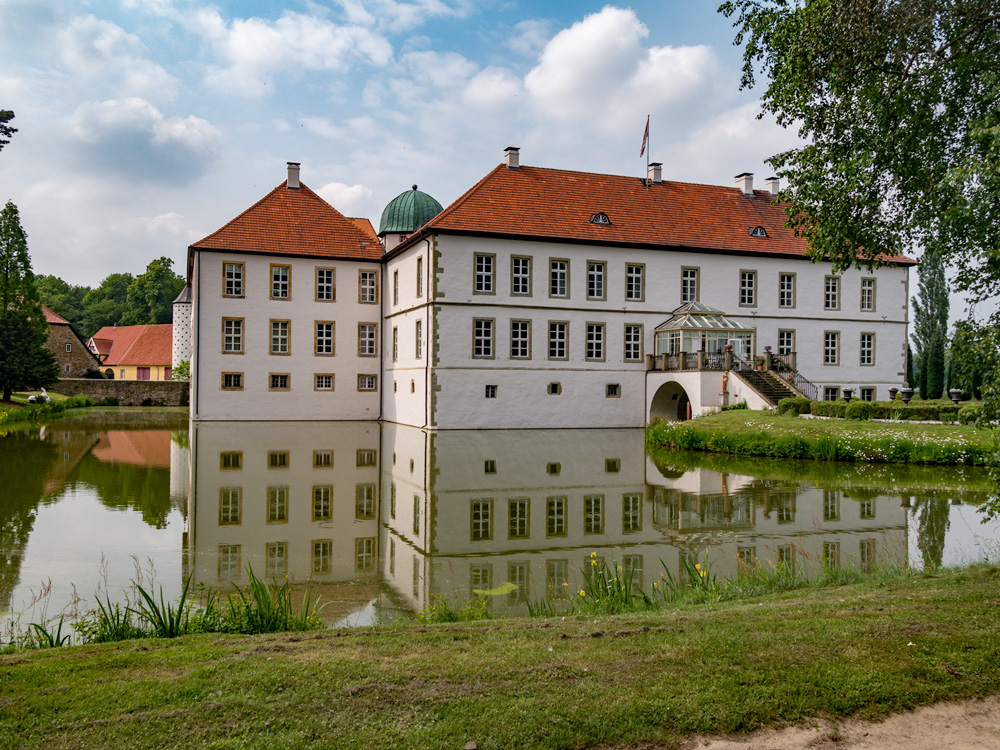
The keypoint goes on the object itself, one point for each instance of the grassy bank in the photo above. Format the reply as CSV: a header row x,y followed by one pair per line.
x,y
588,681
749,433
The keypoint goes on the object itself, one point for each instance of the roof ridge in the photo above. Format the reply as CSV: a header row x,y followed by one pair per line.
x,y
457,203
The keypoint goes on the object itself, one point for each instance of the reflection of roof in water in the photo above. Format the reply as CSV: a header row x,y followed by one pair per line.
x,y
138,447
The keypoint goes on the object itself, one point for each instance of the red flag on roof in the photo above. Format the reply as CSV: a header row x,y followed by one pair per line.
x,y
645,137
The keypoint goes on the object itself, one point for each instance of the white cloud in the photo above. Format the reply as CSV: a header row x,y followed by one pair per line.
x,y
348,199
400,16
598,71
132,137
254,50
532,36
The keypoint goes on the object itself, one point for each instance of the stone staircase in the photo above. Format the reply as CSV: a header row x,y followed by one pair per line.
x,y
767,384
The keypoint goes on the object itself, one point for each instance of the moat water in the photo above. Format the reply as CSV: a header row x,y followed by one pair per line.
x,y
382,518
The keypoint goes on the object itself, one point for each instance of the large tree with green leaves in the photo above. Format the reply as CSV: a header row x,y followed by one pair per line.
x,y
25,363
930,325
6,129
62,298
105,305
151,294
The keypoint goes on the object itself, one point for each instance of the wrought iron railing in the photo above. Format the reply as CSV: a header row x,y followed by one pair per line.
x,y
804,386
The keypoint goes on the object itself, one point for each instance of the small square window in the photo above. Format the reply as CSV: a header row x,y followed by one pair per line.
x,y
553,468
277,459
489,466
612,465
491,391
231,460
323,459
231,381
69,347
555,389
613,390
366,458
324,382
367,382
279,382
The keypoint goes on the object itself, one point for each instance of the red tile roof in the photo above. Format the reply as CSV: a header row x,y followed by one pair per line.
x,y
54,319
136,345
294,222
555,204
365,225
139,447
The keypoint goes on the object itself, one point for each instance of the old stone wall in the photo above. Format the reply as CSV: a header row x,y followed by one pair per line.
x,y
128,392
74,358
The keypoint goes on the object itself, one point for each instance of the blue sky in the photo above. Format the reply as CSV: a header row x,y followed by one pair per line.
x,y
147,124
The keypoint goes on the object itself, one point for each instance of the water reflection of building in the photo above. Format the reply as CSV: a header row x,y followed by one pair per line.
x,y
289,499
517,514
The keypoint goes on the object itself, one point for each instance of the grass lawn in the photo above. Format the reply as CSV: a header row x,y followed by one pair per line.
x,y
745,432
865,649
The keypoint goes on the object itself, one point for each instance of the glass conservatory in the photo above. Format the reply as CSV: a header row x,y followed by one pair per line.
x,y
696,327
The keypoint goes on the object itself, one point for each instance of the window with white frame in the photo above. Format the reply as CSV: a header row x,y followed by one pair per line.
x,y
418,339
633,343
557,340
364,553
786,290
484,274
593,514
748,288
322,554
280,333
555,516
520,276
689,285
395,343
482,338
517,518
559,278
631,512
281,282
867,394
368,287
395,287
364,501
595,341
232,335
230,565
481,520
230,506
367,339
233,273
786,342
279,381
867,295
491,391
520,344
324,338
325,286
322,509
831,348
867,349
324,382
277,504
276,562
831,293
595,280
634,290
367,382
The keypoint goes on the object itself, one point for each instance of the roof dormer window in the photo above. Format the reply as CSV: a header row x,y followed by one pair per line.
x,y
600,218
757,232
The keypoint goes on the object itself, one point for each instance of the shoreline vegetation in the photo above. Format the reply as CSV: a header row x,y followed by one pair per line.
x,y
741,432
848,644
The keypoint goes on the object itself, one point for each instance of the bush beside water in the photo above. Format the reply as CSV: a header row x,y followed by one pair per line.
x,y
38,412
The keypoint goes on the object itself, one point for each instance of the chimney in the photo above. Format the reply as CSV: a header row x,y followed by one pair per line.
x,y
293,175
773,185
510,157
654,173
745,183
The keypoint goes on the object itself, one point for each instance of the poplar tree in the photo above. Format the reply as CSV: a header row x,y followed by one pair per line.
x,y
930,324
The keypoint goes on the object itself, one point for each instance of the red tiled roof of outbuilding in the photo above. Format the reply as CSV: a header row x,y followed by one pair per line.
x,y
52,319
136,345
556,204
294,222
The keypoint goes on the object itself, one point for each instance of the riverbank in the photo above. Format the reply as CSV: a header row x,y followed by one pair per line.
x,y
751,433
865,650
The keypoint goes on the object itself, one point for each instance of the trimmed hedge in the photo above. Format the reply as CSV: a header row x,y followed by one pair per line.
x,y
795,405
970,413
828,408
862,410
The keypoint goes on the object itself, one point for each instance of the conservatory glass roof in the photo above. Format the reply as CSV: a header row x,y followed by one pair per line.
x,y
695,316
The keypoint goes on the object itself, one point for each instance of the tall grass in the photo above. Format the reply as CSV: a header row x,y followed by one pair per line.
x,y
264,607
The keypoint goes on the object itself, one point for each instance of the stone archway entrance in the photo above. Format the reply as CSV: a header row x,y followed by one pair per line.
x,y
670,402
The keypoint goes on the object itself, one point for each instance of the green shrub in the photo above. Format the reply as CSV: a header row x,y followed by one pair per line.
x,y
970,413
109,401
795,405
737,405
858,409
948,414
828,408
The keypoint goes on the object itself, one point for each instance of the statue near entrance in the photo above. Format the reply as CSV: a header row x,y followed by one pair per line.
x,y
725,382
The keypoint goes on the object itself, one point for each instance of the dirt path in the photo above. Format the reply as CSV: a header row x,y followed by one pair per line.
x,y
965,725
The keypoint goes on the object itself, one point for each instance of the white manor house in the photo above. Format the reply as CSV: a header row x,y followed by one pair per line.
x,y
541,298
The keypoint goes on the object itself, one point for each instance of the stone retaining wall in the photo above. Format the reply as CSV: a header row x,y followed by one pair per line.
x,y
128,392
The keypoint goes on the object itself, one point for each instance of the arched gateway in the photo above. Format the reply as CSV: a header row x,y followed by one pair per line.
x,y
670,402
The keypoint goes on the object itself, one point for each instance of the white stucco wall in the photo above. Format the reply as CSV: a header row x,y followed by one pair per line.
x,y
302,401
181,332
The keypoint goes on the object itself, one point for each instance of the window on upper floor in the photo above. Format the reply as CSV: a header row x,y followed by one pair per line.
x,y
482,338
748,288
368,287
326,289
634,283
633,342
324,338
689,285
520,276
596,272
420,277
868,295
520,339
831,293
232,279
786,290
281,282
281,336
558,278
484,274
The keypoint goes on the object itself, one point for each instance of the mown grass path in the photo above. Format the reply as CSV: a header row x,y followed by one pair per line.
x,y
866,649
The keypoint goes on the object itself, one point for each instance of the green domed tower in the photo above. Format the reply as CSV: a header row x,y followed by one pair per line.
x,y
405,214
